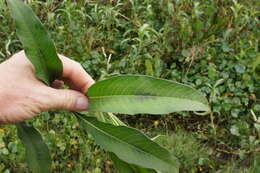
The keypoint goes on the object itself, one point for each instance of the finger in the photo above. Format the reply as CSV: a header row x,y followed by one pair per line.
x,y
75,76
65,99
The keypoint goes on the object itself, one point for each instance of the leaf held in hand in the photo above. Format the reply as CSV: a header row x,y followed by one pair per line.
x,y
41,51
132,94
37,44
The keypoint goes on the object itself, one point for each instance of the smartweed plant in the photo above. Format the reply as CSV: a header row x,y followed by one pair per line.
x,y
128,148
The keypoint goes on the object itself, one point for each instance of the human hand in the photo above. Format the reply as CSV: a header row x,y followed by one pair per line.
x,y
23,96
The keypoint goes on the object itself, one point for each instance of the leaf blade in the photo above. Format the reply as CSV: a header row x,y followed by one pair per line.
x,y
132,94
119,164
38,46
130,145
37,152
124,167
40,50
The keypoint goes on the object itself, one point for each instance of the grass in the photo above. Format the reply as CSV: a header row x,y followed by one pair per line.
x,y
212,45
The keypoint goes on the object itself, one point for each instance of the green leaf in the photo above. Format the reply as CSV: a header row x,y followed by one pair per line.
x,y
40,50
120,165
37,44
130,145
131,94
124,167
37,152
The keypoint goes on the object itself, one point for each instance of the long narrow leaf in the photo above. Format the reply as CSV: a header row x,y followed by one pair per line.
x,y
120,165
142,94
37,44
41,51
124,167
37,152
130,145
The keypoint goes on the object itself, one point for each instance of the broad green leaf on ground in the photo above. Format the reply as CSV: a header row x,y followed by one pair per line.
x,y
123,167
130,145
37,44
37,152
132,94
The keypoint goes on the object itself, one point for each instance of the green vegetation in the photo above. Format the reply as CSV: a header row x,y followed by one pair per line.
x,y
125,94
212,45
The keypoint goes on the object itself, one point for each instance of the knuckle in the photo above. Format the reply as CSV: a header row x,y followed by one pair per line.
x,y
66,101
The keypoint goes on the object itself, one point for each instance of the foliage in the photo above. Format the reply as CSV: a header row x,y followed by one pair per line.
x,y
122,94
186,148
143,94
130,145
37,45
212,45
37,153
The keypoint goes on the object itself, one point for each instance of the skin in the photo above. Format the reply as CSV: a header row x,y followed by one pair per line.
x,y
23,96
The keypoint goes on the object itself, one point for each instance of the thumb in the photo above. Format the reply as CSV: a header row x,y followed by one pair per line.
x,y
66,99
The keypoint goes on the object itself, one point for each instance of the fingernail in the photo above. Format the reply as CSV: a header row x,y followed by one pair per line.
x,y
81,103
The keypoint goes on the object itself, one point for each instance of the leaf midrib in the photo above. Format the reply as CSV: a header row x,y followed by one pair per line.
x,y
168,97
132,146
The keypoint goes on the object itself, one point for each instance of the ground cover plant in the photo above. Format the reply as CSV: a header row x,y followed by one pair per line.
x,y
211,45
